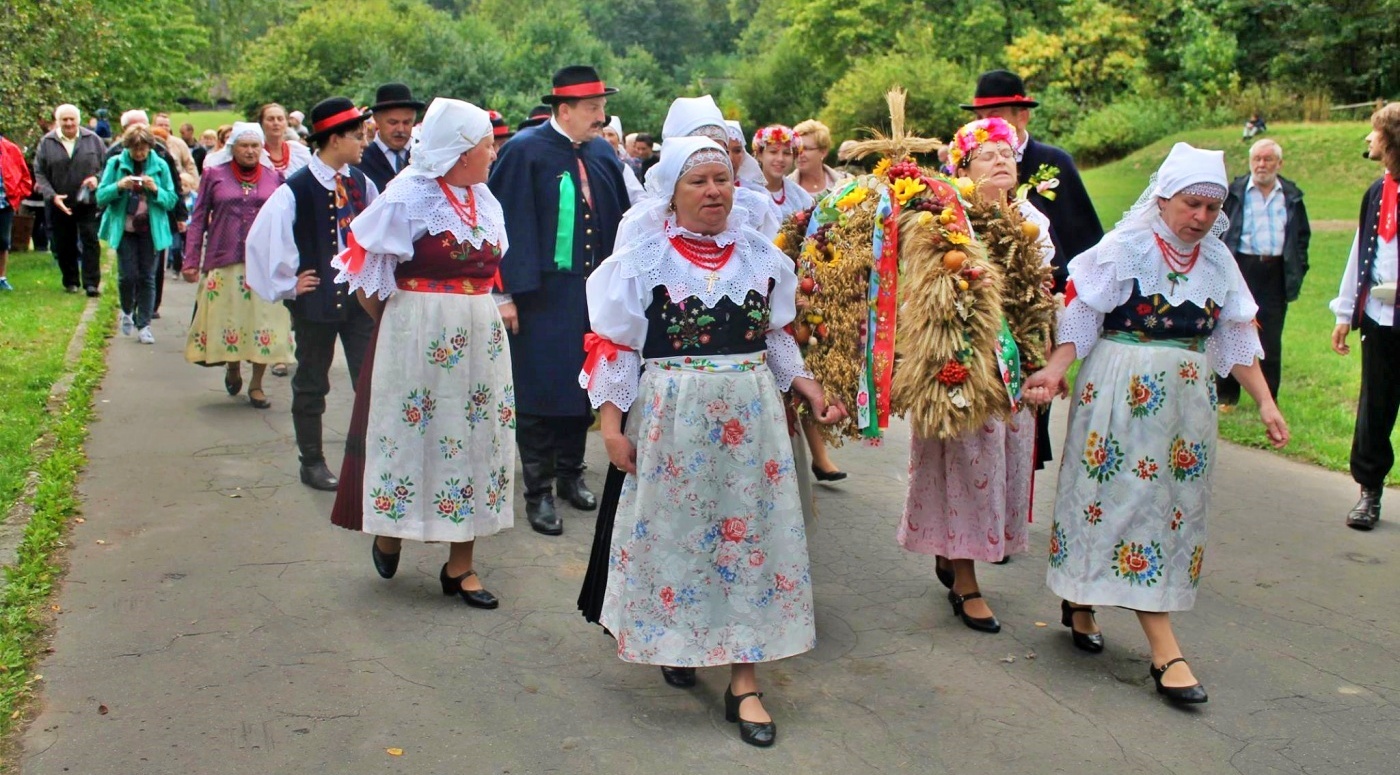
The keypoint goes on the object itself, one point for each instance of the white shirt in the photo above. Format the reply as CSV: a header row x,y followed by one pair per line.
x,y
1385,270
1021,148
1262,230
392,155
271,256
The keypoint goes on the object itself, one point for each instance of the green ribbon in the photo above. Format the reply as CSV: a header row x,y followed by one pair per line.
x,y
564,235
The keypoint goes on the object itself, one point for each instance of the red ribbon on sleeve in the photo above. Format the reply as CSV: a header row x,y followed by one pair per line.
x,y
354,255
1070,292
598,349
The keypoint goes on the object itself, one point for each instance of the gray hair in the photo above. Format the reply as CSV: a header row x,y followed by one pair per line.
x,y
66,108
1267,143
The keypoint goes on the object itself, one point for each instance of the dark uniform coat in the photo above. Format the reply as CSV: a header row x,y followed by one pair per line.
x,y
1074,225
548,262
377,166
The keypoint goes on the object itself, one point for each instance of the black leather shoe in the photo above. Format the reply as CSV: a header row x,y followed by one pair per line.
x,y
542,516
318,477
478,598
752,732
386,564
679,677
576,493
943,572
827,476
92,292
1091,642
989,624
1367,511
1178,695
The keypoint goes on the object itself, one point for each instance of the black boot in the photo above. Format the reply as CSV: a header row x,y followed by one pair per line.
x,y
542,517
1367,511
314,473
576,493
534,439
570,442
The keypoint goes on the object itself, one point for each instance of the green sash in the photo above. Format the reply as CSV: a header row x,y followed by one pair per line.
x,y
564,235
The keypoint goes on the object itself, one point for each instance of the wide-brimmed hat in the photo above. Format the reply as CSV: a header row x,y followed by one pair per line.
x,y
576,82
332,115
499,127
538,115
394,95
1000,88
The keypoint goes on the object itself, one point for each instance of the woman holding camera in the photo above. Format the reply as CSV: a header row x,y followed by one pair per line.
x,y
138,192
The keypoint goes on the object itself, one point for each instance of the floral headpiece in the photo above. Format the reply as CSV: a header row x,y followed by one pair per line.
x,y
776,134
977,133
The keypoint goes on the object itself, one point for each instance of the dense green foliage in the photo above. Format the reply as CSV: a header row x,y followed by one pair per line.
x,y
1110,74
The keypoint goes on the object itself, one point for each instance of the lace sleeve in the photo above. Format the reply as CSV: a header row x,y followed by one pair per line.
x,y
1081,324
1235,341
614,381
386,233
375,278
615,313
785,359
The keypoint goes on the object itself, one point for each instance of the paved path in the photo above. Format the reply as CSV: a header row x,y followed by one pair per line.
x,y
228,628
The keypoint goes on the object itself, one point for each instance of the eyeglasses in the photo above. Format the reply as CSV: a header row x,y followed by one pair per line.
x,y
990,155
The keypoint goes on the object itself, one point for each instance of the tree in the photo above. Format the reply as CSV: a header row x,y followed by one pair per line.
x,y
51,51
148,60
936,86
1096,56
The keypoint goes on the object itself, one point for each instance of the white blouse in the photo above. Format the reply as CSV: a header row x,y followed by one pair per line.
x,y
1103,278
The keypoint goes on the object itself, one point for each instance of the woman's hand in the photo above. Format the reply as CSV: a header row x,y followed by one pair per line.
x,y
1339,339
1043,386
307,282
811,392
148,182
190,275
1275,425
621,452
510,316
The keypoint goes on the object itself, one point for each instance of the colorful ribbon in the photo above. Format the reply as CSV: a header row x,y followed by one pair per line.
x,y
878,340
564,232
598,349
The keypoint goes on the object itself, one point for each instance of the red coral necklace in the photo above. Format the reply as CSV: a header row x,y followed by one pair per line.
x,y
247,180
704,254
1179,262
466,211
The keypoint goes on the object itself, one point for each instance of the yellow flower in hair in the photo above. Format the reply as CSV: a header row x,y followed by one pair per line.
x,y
855,197
882,167
907,188
956,237
980,134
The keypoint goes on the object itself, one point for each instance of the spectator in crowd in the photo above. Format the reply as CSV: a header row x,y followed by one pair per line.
x,y
201,149
1255,125
15,185
395,111
221,136
1269,234
179,213
286,157
138,192
179,152
811,173
103,129
643,152
66,169
296,121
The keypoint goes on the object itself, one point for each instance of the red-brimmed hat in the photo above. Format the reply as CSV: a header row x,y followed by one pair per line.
x,y
499,127
576,82
1000,88
334,115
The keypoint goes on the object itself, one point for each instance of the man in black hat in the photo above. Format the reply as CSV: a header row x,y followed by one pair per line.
x,y
561,188
1074,226
500,130
300,228
538,115
395,112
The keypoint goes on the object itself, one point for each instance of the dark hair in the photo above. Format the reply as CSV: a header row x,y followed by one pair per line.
x,y
643,137
322,142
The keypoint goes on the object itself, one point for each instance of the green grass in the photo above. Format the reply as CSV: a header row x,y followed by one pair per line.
x,y
206,119
1319,388
1323,159
36,322
25,603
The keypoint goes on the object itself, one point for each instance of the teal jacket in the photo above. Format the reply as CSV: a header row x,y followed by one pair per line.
x,y
159,203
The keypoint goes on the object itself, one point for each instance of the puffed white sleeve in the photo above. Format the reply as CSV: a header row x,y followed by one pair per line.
x,y
271,254
617,315
1235,340
385,233
1094,290
1344,306
784,356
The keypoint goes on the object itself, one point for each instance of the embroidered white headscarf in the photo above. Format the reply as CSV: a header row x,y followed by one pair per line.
x,y
450,128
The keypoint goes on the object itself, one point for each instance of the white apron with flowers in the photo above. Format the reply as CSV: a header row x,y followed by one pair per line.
x,y
440,444
1134,486
709,560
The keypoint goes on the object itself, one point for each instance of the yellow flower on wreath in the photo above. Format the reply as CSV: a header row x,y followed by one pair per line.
x,y
956,237
781,241
908,188
883,167
855,197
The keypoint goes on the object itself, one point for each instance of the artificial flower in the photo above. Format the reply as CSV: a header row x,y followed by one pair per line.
x,y
907,188
882,167
855,197
956,237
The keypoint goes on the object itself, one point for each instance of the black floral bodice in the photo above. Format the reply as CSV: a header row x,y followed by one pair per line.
x,y
1154,317
688,327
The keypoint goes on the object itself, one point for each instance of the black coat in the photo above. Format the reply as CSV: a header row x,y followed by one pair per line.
x,y
547,354
377,166
1368,242
1074,225
1296,231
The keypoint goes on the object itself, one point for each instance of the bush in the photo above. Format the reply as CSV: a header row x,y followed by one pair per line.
x,y
1124,127
936,87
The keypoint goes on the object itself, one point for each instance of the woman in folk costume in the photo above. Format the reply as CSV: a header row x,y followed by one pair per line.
x,y
708,564
776,148
1156,310
232,325
747,173
431,447
969,498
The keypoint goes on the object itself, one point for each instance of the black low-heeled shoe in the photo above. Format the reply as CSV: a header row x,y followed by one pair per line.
x,y
1087,641
476,598
386,564
989,624
827,476
944,574
679,677
761,734
1178,695
233,382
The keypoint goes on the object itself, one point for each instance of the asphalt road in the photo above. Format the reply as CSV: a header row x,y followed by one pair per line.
x,y
227,627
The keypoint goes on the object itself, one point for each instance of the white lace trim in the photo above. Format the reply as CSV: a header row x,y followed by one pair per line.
x,y
375,278
754,264
1232,344
724,239
785,359
614,381
753,209
1081,324
1130,254
425,204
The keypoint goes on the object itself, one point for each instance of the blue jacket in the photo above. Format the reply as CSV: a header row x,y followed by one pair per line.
x,y
158,203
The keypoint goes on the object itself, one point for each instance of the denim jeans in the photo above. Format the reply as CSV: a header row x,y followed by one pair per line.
x,y
136,276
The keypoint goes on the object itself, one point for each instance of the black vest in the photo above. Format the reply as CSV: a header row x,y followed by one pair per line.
x,y
1369,240
317,241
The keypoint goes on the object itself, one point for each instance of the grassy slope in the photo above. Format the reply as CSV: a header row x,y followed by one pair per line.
x,y
1319,389
205,119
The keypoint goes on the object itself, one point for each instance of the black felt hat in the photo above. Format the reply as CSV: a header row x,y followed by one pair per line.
x,y
394,95
576,82
1000,88
499,127
538,115
332,115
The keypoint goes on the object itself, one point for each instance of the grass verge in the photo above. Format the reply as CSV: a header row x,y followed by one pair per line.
x,y
25,612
